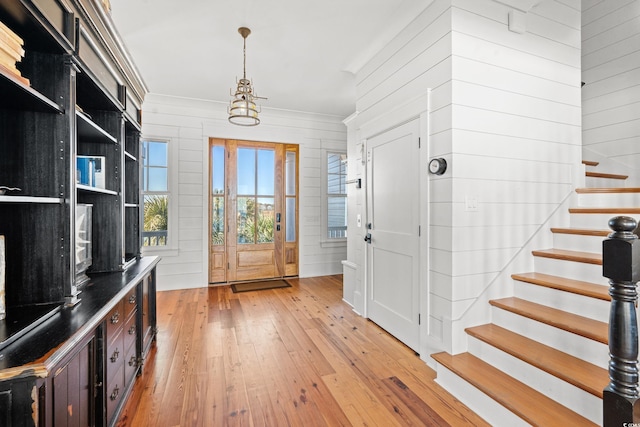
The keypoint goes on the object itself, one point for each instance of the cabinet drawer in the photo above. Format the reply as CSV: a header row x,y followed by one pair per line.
x,y
130,331
130,302
114,392
114,356
114,320
130,365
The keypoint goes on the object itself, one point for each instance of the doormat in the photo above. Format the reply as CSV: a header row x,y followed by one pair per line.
x,y
259,286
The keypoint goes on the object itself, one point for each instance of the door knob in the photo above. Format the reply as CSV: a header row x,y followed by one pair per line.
x,y
367,238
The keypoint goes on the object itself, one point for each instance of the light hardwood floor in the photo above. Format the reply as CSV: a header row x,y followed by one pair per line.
x,y
296,356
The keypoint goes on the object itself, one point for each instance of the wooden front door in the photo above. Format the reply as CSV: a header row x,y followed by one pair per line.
x,y
253,210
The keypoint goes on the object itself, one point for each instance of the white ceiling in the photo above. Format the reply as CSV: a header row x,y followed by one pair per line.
x,y
301,54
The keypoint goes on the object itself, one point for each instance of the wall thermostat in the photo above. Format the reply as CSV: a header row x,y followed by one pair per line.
x,y
437,166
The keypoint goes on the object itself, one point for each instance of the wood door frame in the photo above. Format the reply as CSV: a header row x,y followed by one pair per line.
x,y
221,258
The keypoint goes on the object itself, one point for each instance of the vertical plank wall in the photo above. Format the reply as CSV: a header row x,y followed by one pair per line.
x,y
505,114
187,124
611,95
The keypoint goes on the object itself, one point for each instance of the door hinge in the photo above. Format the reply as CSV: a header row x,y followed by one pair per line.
x,y
419,319
228,266
419,231
419,142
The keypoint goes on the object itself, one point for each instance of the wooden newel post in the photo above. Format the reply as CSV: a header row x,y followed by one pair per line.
x,y
621,265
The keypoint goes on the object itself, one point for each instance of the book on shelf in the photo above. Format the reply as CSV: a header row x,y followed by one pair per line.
x,y
9,64
11,52
11,44
15,74
2,279
7,53
6,30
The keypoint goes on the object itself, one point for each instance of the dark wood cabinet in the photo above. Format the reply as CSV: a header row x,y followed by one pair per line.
x,y
70,348
73,387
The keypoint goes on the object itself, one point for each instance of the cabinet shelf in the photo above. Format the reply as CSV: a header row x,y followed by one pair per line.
x,y
131,205
130,156
30,199
21,320
90,189
88,131
17,95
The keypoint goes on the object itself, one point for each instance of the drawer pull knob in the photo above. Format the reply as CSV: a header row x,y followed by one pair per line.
x,y
115,356
132,299
115,318
114,393
132,361
132,330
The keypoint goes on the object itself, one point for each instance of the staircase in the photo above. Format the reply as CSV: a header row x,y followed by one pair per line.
x,y
543,359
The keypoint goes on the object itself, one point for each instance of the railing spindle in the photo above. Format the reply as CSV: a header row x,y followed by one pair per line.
x,y
621,265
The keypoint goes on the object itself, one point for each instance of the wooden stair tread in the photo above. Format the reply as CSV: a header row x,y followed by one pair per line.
x,y
604,190
578,287
576,324
584,375
606,175
612,211
567,255
581,231
527,403
590,163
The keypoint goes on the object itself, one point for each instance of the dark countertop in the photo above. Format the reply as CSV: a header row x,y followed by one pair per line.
x,y
40,349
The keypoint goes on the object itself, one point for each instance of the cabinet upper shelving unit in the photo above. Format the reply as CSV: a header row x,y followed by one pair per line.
x,y
72,102
79,94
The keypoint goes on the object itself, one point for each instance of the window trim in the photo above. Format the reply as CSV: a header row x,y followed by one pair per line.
x,y
171,249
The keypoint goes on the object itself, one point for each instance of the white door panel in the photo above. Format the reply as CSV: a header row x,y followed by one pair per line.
x,y
393,214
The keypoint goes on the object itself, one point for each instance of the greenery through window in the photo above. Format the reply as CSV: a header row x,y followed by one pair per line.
x,y
217,195
155,187
336,196
256,196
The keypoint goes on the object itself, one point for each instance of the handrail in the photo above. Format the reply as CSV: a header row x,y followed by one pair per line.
x,y
621,265
154,238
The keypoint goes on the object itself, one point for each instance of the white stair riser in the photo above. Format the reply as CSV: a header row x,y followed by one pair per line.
x,y
490,410
570,269
592,181
592,308
574,398
608,200
577,242
575,345
596,221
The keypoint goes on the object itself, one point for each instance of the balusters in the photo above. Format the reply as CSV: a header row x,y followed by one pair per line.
x,y
621,265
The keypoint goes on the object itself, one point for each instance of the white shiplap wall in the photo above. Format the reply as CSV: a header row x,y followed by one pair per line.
x,y
505,114
611,95
187,124
515,148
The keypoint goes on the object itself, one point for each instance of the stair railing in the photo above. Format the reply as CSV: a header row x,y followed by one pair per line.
x,y
621,265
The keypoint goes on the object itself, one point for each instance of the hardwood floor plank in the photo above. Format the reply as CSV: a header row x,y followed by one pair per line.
x,y
346,386
437,397
295,356
427,414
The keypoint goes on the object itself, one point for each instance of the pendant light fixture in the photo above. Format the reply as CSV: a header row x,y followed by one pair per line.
x,y
243,110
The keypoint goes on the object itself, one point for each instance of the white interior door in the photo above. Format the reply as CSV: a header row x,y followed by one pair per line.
x,y
393,215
